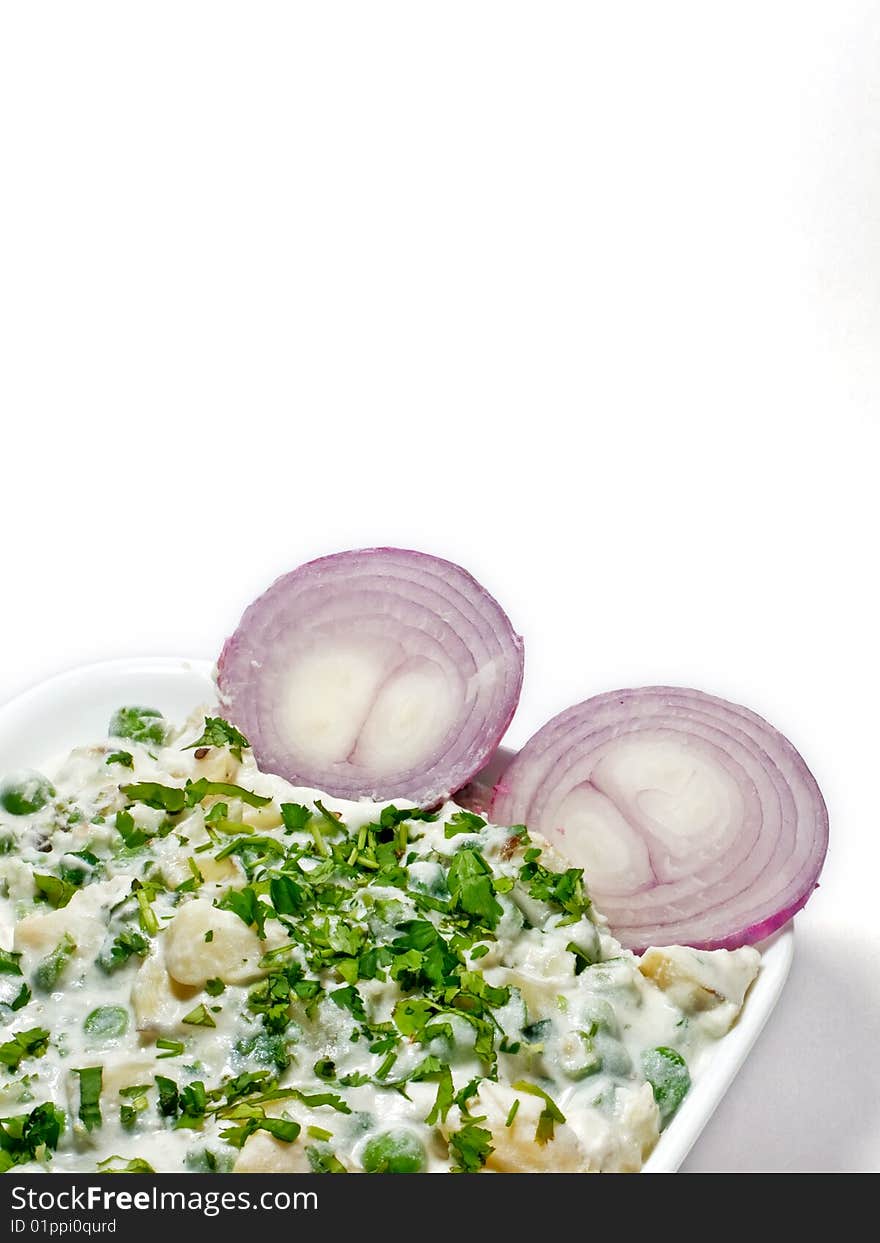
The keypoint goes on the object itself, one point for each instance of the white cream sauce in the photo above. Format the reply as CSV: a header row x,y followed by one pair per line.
x,y
590,1017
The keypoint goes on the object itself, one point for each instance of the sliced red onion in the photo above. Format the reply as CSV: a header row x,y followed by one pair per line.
x,y
381,673
695,821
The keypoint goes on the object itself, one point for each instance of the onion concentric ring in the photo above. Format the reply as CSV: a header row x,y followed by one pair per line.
x,y
696,821
379,673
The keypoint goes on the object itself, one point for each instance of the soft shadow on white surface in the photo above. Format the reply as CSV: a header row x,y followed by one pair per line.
x,y
808,1097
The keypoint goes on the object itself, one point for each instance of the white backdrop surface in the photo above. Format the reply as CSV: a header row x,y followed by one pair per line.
x,y
581,296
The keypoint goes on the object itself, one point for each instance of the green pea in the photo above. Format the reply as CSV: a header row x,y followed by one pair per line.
x,y
25,792
50,968
106,1022
141,724
265,1049
394,1152
667,1073
615,1059
600,1013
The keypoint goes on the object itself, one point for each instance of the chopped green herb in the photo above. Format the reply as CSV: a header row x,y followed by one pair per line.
x,y
128,944
132,836
195,791
90,1081
169,1097
137,1165
165,798
125,758
246,905
550,1114
21,998
295,816
471,1147
56,892
32,1043
199,1017
582,958
144,725
463,822
171,1048
562,889
219,733
280,1128
29,1137
147,915
470,884
135,1102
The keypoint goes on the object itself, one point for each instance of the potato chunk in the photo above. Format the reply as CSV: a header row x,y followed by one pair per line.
x,y
708,984
516,1150
232,953
264,1154
159,1003
84,920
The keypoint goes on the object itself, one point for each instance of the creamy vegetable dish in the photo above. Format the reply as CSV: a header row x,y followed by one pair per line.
x,y
207,968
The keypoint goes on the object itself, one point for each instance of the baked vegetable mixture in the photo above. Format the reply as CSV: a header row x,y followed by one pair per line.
x,y
205,967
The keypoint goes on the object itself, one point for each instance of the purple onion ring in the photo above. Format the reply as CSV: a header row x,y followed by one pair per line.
x,y
696,822
378,673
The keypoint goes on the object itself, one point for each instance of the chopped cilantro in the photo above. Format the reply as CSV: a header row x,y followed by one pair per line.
x,y
29,1137
280,1128
199,1017
463,822
562,889
171,1048
295,816
195,791
132,836
550,1114
137,1165
21,998
169,1096
246,905
128,944
219,733
32,1043
470,884
125,758
165,798
9,962
471,1147
90,1080
56,892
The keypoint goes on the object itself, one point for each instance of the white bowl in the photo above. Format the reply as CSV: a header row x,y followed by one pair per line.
x,y
40,726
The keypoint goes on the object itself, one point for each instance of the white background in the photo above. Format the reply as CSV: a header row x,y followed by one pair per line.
x,y
583,296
